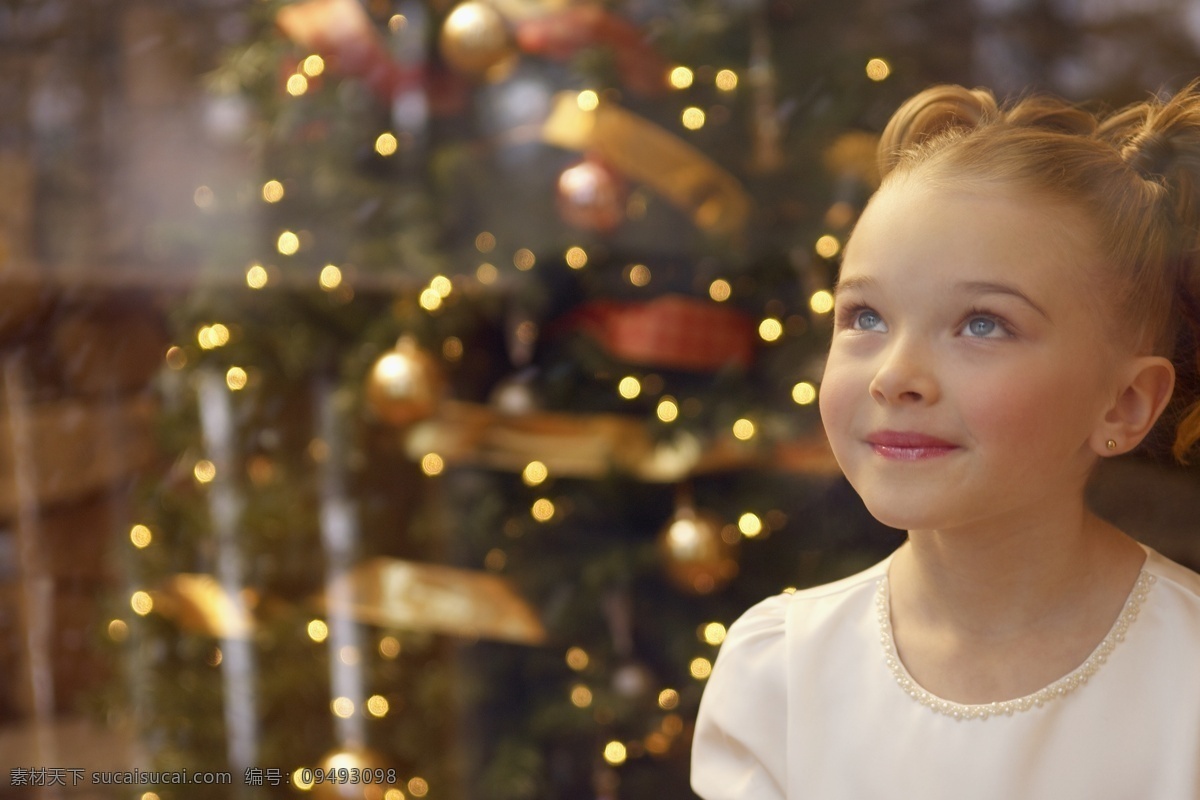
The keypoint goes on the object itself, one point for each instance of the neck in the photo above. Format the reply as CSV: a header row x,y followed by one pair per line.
x,y
1008,576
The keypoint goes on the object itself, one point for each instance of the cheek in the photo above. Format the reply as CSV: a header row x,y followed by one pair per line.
x,y
1034,411
835,398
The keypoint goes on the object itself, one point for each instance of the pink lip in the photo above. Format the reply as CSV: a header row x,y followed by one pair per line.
x,y
909,445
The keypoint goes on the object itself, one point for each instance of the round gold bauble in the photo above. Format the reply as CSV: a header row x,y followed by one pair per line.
x,y
475,39
591,196
404,384
695,556
350,759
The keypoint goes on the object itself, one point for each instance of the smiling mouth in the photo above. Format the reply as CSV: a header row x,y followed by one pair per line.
x,y
896,453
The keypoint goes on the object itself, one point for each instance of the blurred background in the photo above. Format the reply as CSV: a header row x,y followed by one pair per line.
x,y
399,398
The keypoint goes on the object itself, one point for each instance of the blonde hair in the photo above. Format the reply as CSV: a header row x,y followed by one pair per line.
x,y
1133,173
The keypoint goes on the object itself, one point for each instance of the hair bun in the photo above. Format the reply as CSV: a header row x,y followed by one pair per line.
x,y
936,110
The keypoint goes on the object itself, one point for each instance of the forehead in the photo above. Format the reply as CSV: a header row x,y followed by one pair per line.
x,y
918,236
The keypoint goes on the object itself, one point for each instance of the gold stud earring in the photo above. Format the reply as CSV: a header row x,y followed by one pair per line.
x,y
1112,445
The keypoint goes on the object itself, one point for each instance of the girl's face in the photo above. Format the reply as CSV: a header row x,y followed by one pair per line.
x,y
960,315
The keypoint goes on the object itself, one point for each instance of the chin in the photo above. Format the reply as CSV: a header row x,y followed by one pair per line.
x,y
904,511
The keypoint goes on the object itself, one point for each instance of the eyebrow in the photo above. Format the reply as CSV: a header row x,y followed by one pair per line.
x,y
976,287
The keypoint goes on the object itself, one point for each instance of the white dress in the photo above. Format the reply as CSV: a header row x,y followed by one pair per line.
x,y
807,700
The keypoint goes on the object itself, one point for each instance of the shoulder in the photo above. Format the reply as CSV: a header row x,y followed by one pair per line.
x,y
1174,577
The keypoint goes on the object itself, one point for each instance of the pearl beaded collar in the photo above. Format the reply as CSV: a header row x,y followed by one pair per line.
x,y
1059,688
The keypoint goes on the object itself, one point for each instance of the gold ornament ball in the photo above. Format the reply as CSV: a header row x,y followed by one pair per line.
x,y
695,556
405,384
475,38
350,759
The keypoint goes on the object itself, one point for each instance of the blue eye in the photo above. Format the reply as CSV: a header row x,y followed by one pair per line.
x,y
866,319
981,326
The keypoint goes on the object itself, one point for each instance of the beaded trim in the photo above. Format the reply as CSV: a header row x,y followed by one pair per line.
x,y
1059,688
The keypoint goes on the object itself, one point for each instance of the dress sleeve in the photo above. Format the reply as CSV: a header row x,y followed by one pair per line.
x,y
738,752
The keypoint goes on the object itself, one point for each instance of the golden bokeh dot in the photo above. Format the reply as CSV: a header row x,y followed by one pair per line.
x,y
726,80
827,246
672,724
236,378
397,22
577,659
821,301
524,259
495,560
150,796
256,276
287,243
720,290
770,329
342,707
668,409
681,77
386,143
141,603
389,647
668,699
657,743
377,705
700,668
140,536
176,357
615,753
214,657
486,273
432,464
485,242
629,387
118,630
205,471
318,631
639,274
349,655
313,66
588,100
878,69
430,300
298,779
581,696
804,393
272,191
743,429
713,633
576,257
331,277
692,118
297,85
452,348
393,793
418,787
542,510
535,473
750,525
442,285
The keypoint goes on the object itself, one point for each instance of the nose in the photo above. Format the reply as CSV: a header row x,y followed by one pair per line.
x,y
905,374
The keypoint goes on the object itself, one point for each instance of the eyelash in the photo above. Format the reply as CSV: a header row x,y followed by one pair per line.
x,y
848,314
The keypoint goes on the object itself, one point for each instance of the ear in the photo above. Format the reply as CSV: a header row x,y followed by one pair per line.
x,y
1140,401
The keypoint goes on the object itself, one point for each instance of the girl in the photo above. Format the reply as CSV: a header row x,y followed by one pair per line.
x,y
1011,308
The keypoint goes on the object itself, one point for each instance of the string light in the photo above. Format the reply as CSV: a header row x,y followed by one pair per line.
x,y
176,357
720,290
693,118
205,471
140,536
389,647
118,631
542,510
236,379
211,337
452,348
770,329
418,787
576,258
681,77
348,655
442,285
485,242
287,243
256,276
577,659
668,699
215,657
313,66
726,80
535,473
821,302
272,191
827,246
524,259
804,393
750,525
629,387
386,144
700,668
141,603
639,275
486,273
588,100
743,429
581,696
377,706
302,779
342,707
713,633
297,85
615,753
432,464
430,300
668,409
318,631
398,22
878,69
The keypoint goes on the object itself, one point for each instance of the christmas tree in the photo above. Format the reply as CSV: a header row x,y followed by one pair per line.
x,y
503,408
